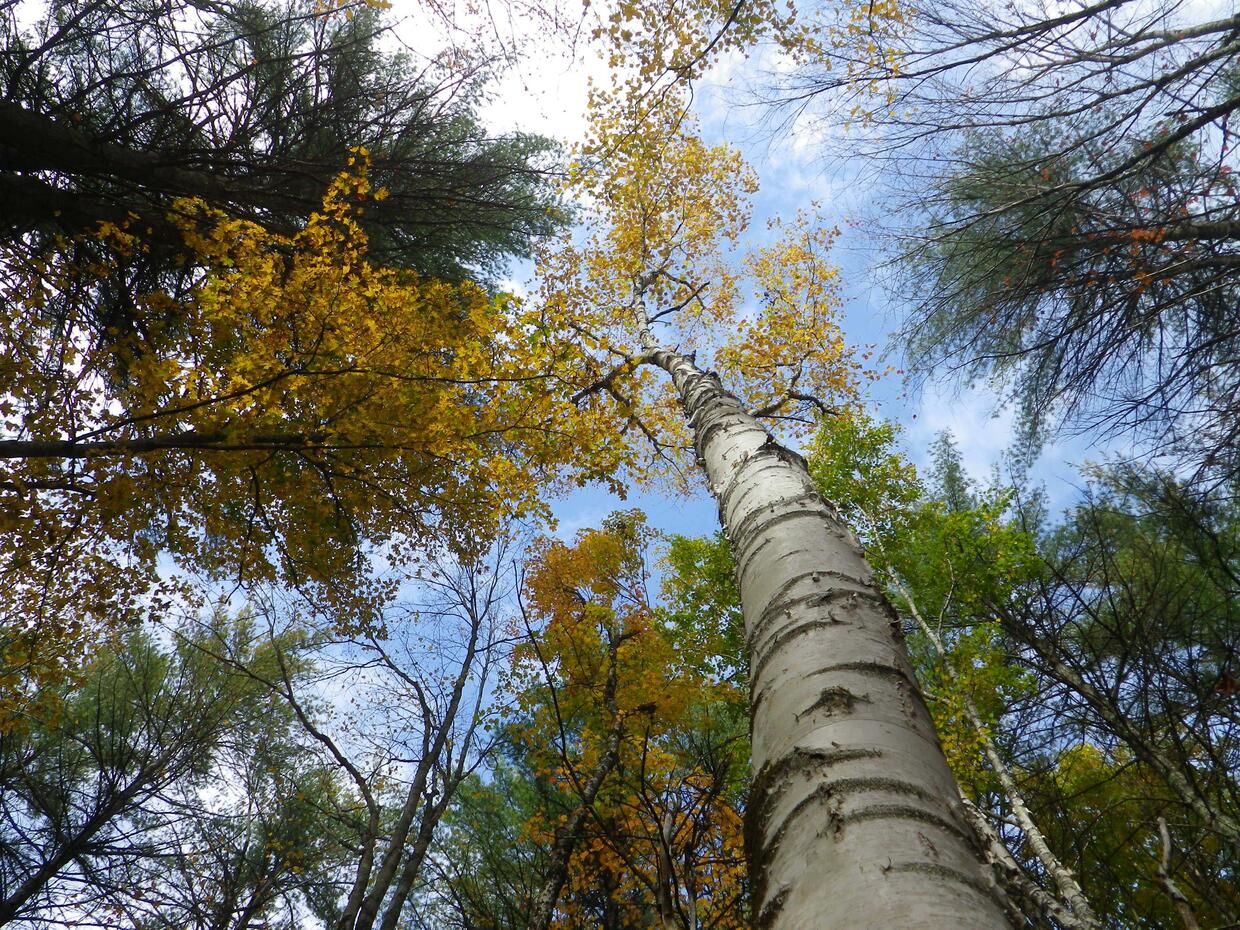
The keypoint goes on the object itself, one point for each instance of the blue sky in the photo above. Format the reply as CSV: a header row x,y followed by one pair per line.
x,y
546,94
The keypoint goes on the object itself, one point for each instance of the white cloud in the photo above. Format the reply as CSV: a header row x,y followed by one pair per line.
x,y
541,70
981,429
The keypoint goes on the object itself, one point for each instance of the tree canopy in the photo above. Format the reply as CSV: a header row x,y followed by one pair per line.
x,y
1064,204
112,112
286,636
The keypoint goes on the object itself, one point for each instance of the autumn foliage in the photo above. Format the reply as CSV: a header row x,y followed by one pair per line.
x,y
296,411
663,838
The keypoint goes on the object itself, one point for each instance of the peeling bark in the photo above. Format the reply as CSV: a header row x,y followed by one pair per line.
x,y
855,819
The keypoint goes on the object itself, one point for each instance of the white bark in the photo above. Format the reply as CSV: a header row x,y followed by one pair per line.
x,y
855,820
1182,904
1026,898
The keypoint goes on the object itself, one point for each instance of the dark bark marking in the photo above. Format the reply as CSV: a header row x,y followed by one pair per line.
x,y
874,669
910,694
704,397
847,786
707,432
835,700
775,607
829,757
814,575
941,871
803,505
751,469
744,558
836,791
770,910
770,784
765,846
815,599
775,777
906,812
785,637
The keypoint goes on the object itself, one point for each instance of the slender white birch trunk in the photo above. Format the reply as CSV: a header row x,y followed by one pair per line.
x,y
855,820
1182,904
1026,897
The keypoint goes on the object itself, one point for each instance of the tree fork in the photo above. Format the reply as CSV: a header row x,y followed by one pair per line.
x,y
855,815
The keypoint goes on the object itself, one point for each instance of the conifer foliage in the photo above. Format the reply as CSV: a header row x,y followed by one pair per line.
x,y
252,348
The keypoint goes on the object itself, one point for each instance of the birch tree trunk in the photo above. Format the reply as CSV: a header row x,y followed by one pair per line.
x,y
855,819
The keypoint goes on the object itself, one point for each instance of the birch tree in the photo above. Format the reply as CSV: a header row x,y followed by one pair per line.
x,y
855,816
1073,668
